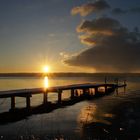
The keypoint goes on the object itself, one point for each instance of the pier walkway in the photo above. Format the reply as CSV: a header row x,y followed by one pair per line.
x,y
76,91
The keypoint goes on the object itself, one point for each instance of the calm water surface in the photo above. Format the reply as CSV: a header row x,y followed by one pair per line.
x,y
68,121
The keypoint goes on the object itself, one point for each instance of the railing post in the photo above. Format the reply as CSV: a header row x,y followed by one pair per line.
x,y
117,83
28,102
84,91
72,94
76,92
124,86
59,96
12,102
124,82
45,97
96,90
105,84
105,88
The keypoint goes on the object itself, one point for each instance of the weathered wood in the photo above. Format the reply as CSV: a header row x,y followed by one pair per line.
x,y
28,102
13,102
85,89
76,92
96,90
33,91
72,94
45,97
105,88
59,96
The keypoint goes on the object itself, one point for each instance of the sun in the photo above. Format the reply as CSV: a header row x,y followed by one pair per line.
x,y
46,69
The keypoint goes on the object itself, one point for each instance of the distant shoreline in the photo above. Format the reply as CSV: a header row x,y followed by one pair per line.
x,y
67,74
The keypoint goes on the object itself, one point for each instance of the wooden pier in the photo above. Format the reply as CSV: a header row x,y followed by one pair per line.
x,y
85,90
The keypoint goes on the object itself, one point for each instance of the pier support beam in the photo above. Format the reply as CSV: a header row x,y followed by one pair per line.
x,y
72,94
28,102
105,88
76,92
13,102
45,97
84,91
124,86
96,90
59,96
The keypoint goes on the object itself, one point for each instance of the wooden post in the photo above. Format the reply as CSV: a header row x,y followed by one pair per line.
x,y
76,92
105,85
84,91
12,102
96,90
72,94
124,86
28,102
105,88
124,82
45,97
59,96
117,83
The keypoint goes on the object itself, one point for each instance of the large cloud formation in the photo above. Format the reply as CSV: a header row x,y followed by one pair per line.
x,y
119,11
113,48
86,9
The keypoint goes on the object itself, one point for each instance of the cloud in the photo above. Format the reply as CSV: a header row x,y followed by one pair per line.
x,y
113,47
102,25
135,10
86,9
108,59
64,55
119,11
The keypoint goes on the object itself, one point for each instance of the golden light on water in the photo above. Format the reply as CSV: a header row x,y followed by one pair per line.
x,y
46,82
87,114
46,70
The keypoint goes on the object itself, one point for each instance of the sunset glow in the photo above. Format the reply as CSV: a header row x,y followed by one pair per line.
x,y
46,69
46,82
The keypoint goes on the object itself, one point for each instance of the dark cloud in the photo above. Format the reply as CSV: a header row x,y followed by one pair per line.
x,y
135,10
119,11
86,9
113,47
109,58
100,25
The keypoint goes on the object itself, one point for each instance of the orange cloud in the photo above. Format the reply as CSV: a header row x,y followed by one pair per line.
x,y
86,9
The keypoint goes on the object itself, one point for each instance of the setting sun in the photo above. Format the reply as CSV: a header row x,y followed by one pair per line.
x,y
46,69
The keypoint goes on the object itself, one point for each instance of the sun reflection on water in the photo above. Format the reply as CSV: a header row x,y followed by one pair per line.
x,y
46,82
87,114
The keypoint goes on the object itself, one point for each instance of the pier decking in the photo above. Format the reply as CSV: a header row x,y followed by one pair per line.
x,y
77,91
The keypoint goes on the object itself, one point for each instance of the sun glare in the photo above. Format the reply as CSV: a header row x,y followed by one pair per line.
x,y
46,69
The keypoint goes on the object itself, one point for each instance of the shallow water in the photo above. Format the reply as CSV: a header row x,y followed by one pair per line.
x,y
68,121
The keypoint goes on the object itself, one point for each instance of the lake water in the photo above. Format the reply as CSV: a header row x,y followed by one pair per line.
x,y
115,115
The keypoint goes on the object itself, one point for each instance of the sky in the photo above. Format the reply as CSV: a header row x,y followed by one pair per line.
x,y
70,35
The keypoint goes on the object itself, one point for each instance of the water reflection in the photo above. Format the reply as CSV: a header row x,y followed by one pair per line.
x,y
46,82
87,114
